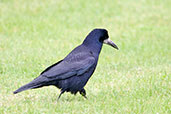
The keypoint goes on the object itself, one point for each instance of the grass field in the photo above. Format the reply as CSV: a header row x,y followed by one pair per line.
x,y
136,79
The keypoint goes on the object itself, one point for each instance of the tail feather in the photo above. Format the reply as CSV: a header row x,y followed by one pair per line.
x,y
26,87
36,83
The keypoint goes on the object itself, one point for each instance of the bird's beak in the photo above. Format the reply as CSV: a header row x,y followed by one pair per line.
x,y
109,42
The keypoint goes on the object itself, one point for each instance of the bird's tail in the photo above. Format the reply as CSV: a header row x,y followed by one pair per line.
x,y
36,83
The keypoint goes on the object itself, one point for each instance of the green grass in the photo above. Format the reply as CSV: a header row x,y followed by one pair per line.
x,y
136,79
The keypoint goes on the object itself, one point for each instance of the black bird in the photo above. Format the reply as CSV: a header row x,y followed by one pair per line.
x,y
72,73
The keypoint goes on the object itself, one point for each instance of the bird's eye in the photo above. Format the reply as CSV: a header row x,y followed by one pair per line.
x,y
101,39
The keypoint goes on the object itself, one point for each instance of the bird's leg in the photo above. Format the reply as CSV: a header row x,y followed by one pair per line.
x,y
60,94
83,93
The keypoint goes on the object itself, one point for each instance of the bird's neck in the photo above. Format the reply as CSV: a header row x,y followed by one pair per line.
x,y
94,47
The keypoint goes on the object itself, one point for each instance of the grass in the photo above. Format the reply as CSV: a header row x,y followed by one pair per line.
x,y
136,79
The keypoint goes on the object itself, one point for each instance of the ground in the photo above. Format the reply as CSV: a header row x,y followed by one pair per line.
x,y
136,79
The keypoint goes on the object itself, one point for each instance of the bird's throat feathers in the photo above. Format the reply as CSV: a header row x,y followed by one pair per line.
x,y
95,47
93,44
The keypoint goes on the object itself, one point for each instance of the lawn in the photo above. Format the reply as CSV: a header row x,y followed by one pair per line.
x,y
136,79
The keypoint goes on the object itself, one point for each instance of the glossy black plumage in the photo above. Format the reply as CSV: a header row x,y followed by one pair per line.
x,y
72,73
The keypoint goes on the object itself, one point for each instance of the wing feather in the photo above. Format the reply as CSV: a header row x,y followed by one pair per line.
x,y
65,69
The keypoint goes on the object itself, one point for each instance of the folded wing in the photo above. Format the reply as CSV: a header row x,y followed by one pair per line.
x,y
66,69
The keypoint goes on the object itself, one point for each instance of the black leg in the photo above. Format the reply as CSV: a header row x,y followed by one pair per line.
x,y
83,93
60,94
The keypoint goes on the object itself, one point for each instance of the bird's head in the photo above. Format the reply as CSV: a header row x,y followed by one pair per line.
x,y
99,36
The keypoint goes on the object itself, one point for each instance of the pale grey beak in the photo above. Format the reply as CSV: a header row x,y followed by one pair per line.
x,y
109,42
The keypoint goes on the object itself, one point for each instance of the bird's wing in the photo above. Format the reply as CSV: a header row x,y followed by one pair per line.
x,y
75,66
51,66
